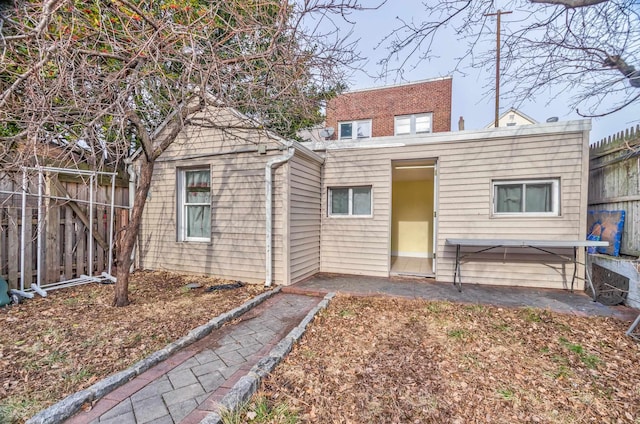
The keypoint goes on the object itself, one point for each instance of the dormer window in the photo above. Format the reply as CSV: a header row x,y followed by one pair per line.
x,y
352,130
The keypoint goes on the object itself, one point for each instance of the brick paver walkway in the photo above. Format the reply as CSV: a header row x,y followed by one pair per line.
x,y
187,386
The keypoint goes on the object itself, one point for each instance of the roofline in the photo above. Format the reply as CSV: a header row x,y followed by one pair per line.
x,y
278,138
402,84
562,127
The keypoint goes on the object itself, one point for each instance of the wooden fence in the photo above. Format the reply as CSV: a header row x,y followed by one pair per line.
x,y
614,165
64,229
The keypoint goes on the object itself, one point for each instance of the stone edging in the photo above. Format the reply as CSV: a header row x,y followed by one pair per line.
x,y
72,403
247,385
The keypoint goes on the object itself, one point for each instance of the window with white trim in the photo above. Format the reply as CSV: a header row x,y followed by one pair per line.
x,y
413,124
526,198
352,130
350,201
194,204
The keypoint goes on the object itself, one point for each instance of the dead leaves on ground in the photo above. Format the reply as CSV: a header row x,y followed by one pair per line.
x,y
54,346
382,360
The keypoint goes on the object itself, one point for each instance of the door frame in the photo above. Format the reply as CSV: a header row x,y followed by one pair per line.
x,y
418,163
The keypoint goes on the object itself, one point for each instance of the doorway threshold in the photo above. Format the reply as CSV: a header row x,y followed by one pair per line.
x,y
412,274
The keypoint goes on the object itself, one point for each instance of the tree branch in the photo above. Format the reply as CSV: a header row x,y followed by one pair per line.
x,y
625,69
145,140
570,4
20,79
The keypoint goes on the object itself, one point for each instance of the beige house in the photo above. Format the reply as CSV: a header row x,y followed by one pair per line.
x,y
511,118
379,206
206,212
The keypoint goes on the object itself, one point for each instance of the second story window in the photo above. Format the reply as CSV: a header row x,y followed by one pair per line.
x,y
413,124
351,130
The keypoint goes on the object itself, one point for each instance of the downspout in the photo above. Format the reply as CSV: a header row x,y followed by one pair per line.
x,y
131,170
268,179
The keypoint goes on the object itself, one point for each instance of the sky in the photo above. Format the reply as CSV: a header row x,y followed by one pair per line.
x,y
470,98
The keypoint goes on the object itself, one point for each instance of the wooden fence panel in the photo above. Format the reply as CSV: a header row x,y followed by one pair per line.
x,y
52,263
99,228
65,233
68,242
13,246
81,248
29,257
614,183
4,250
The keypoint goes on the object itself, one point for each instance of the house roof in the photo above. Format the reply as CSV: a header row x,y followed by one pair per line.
x,y
270,134
402,84
455,136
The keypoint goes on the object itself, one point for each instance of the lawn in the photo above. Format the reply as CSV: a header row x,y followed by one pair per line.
x,y
366,360
54,346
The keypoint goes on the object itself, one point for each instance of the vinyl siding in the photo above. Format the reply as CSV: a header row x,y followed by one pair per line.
x,y
304,218
466,169
237,246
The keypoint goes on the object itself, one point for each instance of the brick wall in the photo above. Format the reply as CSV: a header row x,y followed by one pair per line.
x,y
382,104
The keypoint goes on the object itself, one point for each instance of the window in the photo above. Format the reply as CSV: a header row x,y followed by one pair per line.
x,y
350,201
194,205
413,124
533,197
362,130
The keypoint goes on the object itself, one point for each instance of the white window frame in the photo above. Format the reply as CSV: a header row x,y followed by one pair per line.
x,y
354,126
555,197
182,204
412,123
350,213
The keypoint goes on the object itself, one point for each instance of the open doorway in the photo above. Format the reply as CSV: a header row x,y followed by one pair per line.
x,y
413,217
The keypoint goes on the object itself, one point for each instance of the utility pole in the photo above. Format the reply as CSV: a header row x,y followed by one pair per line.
x,y
498,14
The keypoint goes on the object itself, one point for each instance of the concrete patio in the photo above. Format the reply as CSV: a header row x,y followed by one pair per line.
x,y
559,300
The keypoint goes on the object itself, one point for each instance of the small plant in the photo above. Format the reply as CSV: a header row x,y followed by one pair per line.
x,y
78,376
562,372
507,394
502,326
474,308
457,334
575,348
55,357
434,307
134,339
71,301
346,313
260,410
12,409
6,414
560,359
531,315
591,361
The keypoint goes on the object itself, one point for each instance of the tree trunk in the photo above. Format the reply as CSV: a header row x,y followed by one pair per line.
x,y
130,236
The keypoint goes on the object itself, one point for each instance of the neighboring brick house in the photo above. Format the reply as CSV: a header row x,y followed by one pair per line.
x,y
417,107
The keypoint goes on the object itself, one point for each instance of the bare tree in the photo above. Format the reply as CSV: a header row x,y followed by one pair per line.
x,y
588,47
99,79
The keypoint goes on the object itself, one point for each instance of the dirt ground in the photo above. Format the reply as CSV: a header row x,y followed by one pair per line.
x,y
367,360
54,346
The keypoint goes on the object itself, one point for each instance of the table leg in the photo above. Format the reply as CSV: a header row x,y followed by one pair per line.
x,y
587,275
457,279
575,266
